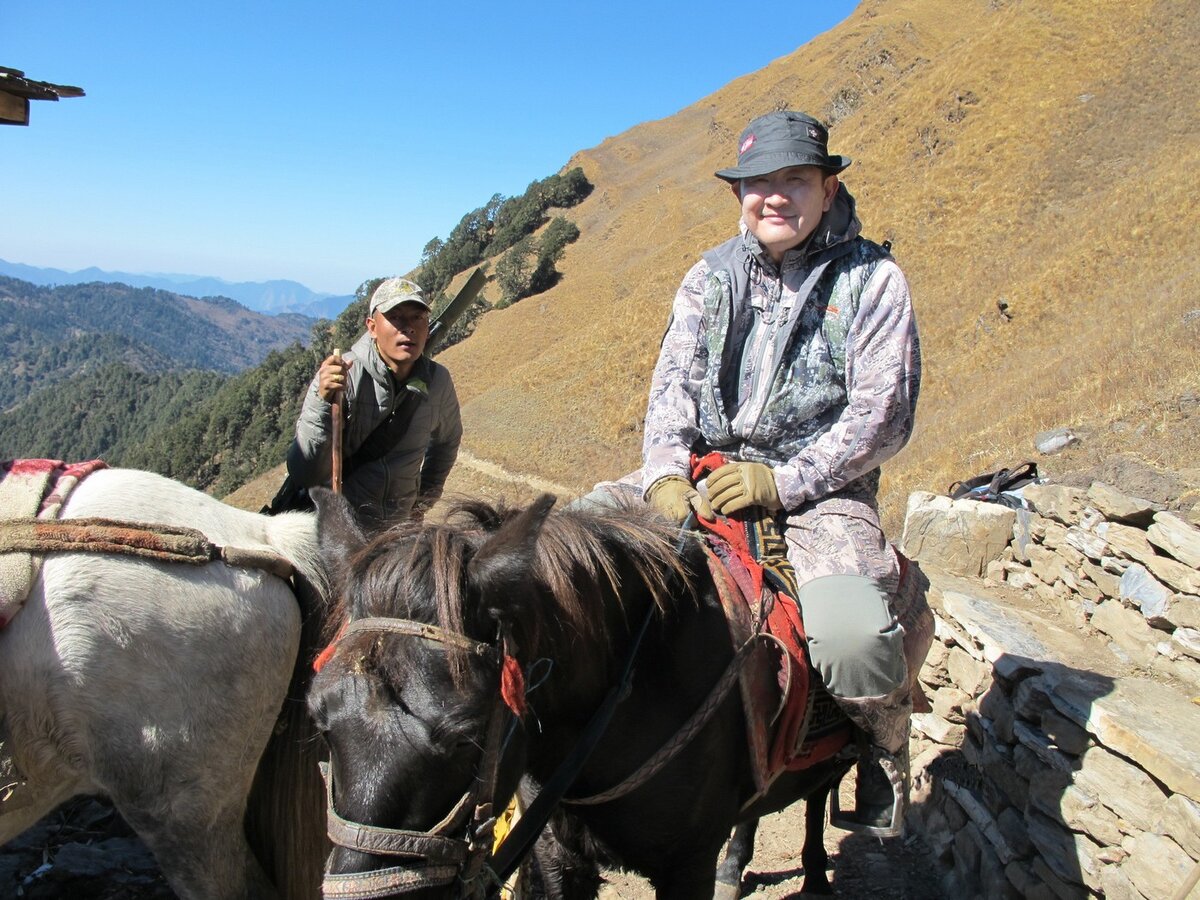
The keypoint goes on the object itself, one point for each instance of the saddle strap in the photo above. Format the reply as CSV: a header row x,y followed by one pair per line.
x,y
166,543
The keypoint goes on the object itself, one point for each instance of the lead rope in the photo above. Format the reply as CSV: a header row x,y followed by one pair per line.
x,y
477,877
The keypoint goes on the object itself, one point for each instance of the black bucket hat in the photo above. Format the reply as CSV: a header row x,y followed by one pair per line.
x,y
781,139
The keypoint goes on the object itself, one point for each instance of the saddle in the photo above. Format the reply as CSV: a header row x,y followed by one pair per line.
x,y
792,722
32,495
33,491
29,488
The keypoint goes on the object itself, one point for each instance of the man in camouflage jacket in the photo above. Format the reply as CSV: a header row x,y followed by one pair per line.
x,y
792,349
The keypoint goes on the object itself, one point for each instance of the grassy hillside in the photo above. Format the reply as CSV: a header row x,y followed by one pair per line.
x,y
1039,154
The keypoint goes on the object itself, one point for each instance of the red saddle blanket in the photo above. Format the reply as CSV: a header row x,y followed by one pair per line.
x,y
791,720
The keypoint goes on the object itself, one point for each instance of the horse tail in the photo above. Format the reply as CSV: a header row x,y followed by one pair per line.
x,y
285,815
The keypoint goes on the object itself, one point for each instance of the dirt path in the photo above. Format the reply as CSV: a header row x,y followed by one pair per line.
x,y
859,867
499,473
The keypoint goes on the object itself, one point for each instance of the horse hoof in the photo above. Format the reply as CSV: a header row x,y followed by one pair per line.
x,y
725,891
815,893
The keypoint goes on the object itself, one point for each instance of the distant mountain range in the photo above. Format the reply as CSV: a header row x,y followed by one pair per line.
x,y
200,388
48,334
270,297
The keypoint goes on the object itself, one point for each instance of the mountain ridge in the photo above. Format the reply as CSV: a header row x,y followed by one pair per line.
x,y
996,144
274,297
203,390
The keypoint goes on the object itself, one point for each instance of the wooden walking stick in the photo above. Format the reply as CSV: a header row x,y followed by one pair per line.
x,y
335,435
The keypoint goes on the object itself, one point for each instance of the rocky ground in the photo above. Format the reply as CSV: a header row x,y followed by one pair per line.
x,y
86,852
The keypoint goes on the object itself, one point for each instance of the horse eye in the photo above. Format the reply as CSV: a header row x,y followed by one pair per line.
x,y
389,696
318,714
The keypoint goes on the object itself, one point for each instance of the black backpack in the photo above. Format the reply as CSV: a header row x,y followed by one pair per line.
x,y
992,486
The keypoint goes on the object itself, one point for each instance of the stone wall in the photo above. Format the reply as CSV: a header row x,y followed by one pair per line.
x,y
1061,756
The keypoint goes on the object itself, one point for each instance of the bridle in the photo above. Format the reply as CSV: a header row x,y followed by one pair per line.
x,y
434,858
446,858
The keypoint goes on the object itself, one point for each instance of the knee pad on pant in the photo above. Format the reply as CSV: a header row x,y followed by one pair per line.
x,y
854,640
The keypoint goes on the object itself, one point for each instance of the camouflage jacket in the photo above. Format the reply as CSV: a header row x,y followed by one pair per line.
x,y
414,469
811,366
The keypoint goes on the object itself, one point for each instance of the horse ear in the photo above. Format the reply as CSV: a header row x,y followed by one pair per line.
x,y
505,562
338,533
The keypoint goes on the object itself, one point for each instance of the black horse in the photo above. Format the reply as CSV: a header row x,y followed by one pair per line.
x,y
442,620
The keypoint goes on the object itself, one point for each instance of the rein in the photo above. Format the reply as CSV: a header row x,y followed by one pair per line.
x,y
523,835
682,737
510,853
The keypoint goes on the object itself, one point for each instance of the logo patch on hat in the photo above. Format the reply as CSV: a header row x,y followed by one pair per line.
x,y
813,133
746,144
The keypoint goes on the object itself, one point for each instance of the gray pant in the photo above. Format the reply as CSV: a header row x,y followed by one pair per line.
x,y
848,576
854,640
867,632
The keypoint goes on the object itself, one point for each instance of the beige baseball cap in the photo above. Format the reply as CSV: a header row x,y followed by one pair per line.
x,y
394,291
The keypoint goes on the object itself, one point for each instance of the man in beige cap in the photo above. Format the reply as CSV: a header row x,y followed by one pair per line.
x,y
401,421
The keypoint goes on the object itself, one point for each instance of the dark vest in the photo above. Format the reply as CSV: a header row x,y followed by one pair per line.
x,y
798,387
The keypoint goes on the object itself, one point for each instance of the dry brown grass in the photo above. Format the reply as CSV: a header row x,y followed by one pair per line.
x,y
1041,153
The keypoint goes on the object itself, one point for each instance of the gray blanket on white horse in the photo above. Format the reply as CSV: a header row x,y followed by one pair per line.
x,y
28,488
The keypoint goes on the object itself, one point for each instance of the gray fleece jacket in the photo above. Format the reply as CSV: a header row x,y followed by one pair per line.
x,y
412,472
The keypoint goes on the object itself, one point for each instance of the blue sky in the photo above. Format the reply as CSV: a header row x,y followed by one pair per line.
x,y
327,143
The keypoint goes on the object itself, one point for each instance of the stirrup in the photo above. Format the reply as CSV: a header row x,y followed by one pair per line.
x,y
895,767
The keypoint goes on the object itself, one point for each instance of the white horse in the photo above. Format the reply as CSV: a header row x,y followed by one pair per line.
x,y
159,685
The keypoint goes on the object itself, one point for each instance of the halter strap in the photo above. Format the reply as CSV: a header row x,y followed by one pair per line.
x,y
433,859
422,630
432,844
380,883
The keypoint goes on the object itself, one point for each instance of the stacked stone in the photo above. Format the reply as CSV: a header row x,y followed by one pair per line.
x,y
1123,565
1035,774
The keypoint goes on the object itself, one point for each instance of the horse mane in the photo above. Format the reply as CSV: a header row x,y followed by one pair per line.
x,y
581,559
